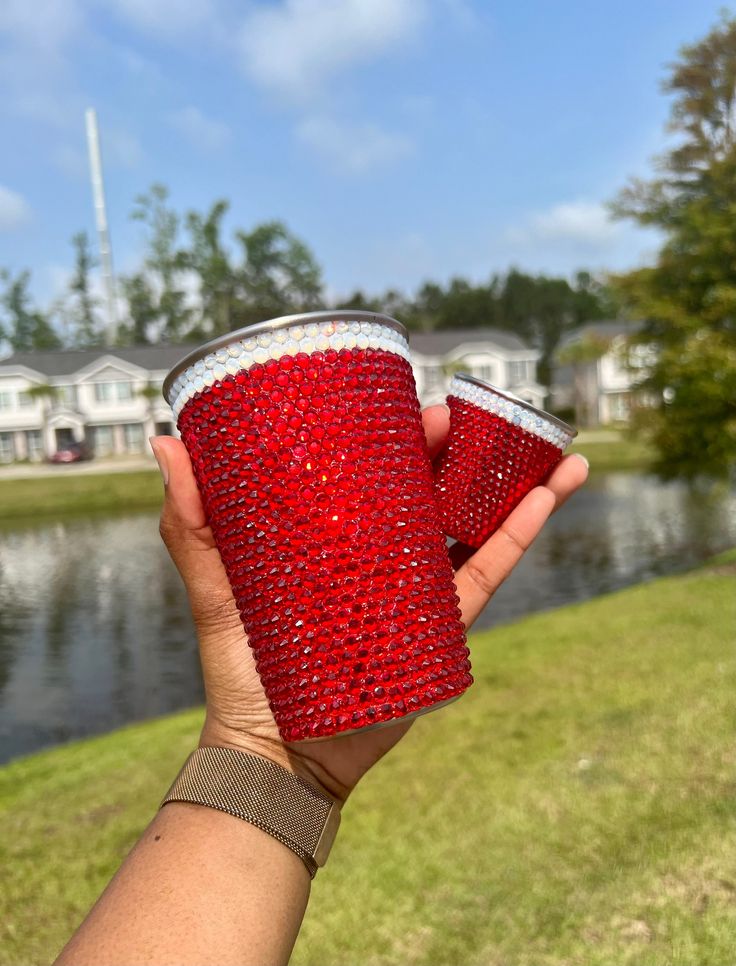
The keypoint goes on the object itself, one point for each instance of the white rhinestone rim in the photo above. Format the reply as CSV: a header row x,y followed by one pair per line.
x,y
492,402
241,354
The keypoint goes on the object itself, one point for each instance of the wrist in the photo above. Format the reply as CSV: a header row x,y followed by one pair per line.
x,y
251,742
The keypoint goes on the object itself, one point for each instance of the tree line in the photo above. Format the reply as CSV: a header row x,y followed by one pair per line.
x,y
194,283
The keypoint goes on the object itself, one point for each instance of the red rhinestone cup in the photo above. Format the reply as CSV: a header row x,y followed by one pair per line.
x,y
315,477
498,449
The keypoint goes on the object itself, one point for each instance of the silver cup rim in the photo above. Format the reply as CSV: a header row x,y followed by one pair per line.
x,y
269,325
505,394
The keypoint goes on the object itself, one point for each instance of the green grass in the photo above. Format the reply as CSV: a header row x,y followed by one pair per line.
x,y
575,807
617,453
75,494
116,492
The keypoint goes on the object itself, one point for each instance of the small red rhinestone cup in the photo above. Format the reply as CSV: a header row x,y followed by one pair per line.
x,y
498,449
307,444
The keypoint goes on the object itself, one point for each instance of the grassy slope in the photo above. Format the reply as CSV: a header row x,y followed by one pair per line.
x,y
70,493
575,807
615,454
51,496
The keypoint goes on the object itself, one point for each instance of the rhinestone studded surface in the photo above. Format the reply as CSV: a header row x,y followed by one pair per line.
x,y
496,452
317,484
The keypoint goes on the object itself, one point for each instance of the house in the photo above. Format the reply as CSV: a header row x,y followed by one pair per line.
x,y
101,396
111,397
497,356
601,387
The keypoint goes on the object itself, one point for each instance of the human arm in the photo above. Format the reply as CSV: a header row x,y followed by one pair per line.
x,y
212,888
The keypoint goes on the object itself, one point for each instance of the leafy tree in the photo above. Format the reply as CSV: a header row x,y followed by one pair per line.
x,y
24,327
688,298
209,259
279,273
86,327
164,262
143,310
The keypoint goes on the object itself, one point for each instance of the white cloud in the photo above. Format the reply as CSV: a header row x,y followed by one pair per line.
x,y
203,132
14,209
293,48
167,17
352,148
576,222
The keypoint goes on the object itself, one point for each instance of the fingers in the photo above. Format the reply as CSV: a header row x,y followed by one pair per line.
x,y
569,474
436,421
482,574
182,502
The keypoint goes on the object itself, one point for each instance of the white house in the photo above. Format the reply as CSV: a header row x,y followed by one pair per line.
x,y
602,390
97,398
494,355
98,394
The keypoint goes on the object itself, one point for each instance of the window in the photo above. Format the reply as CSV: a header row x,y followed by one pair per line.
x,y
34,444
68,395
26,400
102,440
7,448
433,378
620,406
107,392
6,400
485,372
133,433
517,372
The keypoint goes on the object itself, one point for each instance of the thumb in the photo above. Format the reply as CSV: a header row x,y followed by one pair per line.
x,y
182,516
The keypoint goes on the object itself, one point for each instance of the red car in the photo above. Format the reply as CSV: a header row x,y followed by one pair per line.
x,y
73,453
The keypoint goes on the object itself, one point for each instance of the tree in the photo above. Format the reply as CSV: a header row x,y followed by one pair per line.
x,y
164,262
279,273
142,310
86,328
24,327
688,297
209,259
48,395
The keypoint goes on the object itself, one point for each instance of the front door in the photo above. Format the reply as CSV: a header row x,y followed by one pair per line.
x,y
64,437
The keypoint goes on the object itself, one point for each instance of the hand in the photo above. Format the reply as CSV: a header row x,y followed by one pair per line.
x,y
238,714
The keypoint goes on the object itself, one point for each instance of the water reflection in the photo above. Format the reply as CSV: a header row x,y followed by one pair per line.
x,y
95,628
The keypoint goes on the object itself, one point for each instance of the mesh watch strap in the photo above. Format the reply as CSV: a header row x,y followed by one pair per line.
x,y
264,794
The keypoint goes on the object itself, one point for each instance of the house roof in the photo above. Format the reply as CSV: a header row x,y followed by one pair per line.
x,y
66,362
605,329
440,343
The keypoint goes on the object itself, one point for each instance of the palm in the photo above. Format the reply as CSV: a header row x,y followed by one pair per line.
x,y
237,707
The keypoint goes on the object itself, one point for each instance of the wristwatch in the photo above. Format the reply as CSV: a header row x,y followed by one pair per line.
x,y
264,794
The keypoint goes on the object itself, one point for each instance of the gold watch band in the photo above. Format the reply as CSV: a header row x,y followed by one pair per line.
x,y
264,794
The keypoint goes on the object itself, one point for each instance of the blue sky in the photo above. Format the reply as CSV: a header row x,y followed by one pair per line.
x,y
402,139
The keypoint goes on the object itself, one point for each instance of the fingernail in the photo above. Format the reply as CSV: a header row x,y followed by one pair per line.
x,y
445,406
583,458
160,459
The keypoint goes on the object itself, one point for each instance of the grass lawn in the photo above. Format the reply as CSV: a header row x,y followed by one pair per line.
x,y
77,494
575,807
617,452
88,493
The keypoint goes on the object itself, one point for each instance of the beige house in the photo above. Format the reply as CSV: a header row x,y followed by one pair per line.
x,y
111,400
99,396
602,390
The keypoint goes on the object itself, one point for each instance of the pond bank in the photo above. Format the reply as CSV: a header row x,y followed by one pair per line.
x,y
589,770
61,491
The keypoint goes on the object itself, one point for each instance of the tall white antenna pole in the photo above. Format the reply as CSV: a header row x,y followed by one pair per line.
x,y
98,193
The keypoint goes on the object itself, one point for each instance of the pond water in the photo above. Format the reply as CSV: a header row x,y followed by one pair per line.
x,y
95,630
